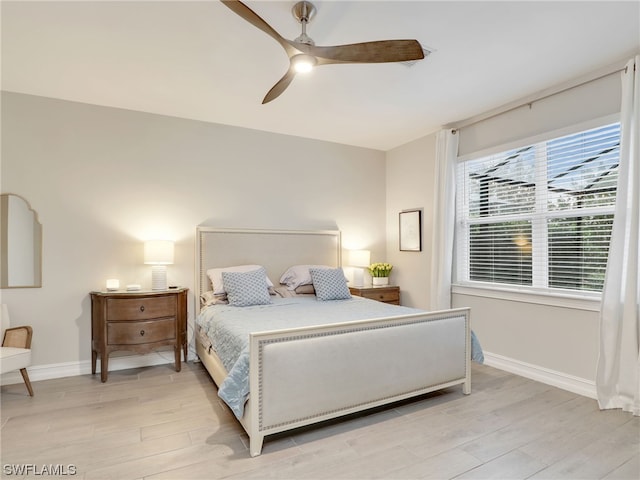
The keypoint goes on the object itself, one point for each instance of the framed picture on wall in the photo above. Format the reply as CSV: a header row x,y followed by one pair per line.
x,y
411,230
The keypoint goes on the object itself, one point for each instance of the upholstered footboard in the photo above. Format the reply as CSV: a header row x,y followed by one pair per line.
x,y
307,375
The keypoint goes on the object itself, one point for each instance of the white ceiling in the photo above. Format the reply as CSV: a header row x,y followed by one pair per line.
x,y
201,61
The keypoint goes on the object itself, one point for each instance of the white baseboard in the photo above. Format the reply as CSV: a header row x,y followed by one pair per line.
x,y
72,369
578,385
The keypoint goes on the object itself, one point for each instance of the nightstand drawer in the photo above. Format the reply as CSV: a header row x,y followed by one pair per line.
x,y
390,294
383,295
141,308
133,333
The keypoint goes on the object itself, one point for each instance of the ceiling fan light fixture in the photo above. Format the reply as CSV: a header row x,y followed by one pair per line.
x,y
303,63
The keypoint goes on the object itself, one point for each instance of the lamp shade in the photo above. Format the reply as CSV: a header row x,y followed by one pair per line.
x,y
158,252
359,258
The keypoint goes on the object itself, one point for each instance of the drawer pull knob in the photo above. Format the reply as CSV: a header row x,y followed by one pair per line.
x,y
142,308
142,333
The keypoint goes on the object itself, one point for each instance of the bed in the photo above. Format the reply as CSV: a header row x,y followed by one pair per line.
x,y
366,354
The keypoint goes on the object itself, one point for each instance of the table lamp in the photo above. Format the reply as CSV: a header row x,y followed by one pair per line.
x,y
158,253
359,259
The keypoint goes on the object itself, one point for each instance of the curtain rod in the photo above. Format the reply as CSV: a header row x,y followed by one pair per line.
x,y
602,73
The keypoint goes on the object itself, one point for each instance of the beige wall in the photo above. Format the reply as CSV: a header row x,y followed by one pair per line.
x,y
103,180
561,339
410,184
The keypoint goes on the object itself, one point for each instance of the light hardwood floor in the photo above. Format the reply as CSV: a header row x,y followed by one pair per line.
x,y
154,423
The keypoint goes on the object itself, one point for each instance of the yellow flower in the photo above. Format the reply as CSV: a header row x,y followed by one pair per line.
x,y
380,269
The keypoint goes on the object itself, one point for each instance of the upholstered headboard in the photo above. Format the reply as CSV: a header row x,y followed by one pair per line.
x,y
276,250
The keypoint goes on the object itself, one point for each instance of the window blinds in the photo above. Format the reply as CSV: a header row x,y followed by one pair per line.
x,y
540,215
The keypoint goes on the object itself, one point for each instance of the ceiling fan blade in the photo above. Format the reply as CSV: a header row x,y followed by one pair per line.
x,y
368,52
280,86
254,19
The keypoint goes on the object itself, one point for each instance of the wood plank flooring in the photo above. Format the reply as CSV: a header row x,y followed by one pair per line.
x,y
154,423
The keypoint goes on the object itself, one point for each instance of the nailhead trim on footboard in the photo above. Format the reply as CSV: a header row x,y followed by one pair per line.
x,y
385,323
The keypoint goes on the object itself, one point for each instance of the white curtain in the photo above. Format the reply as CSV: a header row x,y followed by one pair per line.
x,y
618,374
444,212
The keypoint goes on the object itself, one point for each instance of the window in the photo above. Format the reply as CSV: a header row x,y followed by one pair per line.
x,y
539,216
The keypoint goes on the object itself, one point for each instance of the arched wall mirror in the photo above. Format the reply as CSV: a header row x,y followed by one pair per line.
x,y
20,244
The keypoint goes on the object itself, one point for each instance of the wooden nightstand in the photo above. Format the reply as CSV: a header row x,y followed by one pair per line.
x,y
139,322
389,294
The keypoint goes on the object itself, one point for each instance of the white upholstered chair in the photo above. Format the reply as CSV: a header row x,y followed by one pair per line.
x,y
15,353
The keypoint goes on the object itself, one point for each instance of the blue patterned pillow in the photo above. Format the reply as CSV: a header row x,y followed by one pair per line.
x,y
329,283
246,288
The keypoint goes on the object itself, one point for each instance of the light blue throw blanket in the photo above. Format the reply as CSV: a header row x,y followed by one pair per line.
x,y
229,327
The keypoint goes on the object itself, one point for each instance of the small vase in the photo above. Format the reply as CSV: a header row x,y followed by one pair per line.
x,y
380,281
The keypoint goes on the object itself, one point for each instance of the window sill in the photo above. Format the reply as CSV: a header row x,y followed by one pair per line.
x,y
590,302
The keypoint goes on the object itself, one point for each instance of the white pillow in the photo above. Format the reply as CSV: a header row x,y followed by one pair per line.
x,y
298,275
215,275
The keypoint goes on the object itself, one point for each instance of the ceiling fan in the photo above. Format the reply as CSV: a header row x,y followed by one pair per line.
x,y
304,54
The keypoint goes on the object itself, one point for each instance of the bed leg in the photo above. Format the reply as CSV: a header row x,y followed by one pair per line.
x,y
466,387
255,445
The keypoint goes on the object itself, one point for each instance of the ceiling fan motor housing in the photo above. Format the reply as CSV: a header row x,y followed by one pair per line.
x,y
303,12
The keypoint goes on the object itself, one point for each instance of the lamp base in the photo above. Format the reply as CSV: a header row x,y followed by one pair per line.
x,y
159,277
358,277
